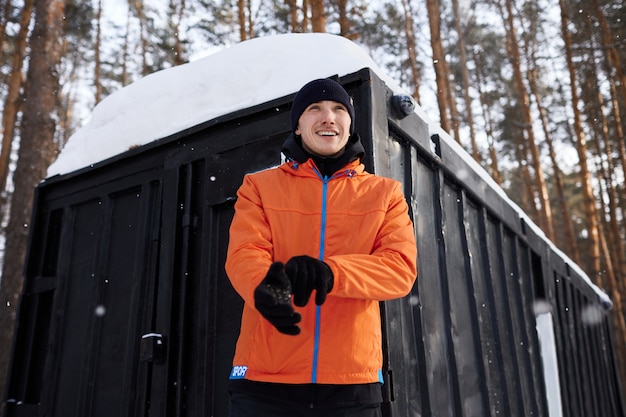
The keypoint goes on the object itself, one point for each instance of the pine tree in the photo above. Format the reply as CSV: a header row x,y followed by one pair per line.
x,y
465,83
14,88
439,62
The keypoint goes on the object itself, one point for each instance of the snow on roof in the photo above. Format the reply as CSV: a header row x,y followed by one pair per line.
x,y
238,77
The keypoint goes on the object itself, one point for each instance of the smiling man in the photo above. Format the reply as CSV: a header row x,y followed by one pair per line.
x,y
315,245
322,121
324,126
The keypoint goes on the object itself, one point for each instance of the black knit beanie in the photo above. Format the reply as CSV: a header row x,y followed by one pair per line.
x,y
320,90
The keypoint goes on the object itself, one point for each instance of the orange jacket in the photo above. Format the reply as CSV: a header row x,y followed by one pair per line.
x,y
358,224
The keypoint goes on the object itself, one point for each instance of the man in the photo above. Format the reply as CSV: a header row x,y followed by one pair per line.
x,y
315,244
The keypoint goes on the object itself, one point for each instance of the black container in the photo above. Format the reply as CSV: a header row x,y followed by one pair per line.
x,y
126,309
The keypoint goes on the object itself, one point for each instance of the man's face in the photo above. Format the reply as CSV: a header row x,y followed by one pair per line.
x,y
325,128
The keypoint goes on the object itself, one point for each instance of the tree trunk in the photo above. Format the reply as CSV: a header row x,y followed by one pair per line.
x,y
124,79
411,46
97,64
141,16
293,15
241,19
465,79
455,121
178,13
250,20
439,59
609,46
244,18
527,197
581,147
37,150
620,142
569,236
3,22
305,15
525,115
345,26
11,104
617,86
489,129
318,17
605,189
607,170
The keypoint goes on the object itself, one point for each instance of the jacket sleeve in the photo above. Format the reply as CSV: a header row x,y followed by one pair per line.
x,y
250,250
391,269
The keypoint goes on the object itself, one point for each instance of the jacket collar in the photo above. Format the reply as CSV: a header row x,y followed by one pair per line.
x,y
292,148
309,169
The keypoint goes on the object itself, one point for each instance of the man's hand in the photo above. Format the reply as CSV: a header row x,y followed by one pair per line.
x,y
307,274
272,298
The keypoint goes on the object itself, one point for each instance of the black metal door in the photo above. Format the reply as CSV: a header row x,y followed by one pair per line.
x,y
91,273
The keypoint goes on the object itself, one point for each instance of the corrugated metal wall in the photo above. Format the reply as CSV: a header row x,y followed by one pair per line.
x,y
484,275
126,309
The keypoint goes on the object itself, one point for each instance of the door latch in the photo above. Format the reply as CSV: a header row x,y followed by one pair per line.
x,y
152,347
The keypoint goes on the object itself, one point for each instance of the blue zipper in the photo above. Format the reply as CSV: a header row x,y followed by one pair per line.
x,y
318,309
325,180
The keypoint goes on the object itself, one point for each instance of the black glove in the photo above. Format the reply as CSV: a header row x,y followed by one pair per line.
x,y
272,298
307,274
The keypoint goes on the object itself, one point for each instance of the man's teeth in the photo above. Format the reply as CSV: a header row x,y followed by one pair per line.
x,y
325,133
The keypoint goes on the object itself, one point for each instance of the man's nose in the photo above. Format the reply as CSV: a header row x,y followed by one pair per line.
x,y
328,116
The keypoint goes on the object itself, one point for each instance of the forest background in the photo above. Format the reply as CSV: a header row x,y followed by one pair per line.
x,y
535,91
